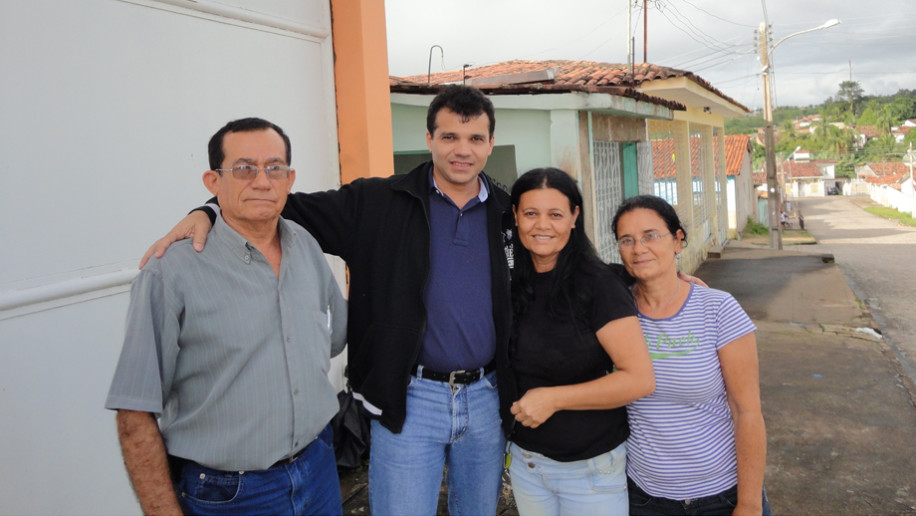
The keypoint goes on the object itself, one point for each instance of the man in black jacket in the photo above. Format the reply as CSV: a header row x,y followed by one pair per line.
x,y
429,309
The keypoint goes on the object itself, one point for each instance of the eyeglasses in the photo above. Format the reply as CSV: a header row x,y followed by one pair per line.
x,y
248,172
648,239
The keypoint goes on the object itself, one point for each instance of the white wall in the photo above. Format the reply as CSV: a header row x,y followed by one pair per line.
x,y
107,106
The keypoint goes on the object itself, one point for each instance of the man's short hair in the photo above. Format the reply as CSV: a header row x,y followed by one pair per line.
x,y
466,101
243,125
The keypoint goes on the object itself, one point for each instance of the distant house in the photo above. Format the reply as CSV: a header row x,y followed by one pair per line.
x,y
881,169
742,197
601,123
802,179
900,132
801,155
865,133
889,184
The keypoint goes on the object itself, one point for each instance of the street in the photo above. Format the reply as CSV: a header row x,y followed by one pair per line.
x,y
876,255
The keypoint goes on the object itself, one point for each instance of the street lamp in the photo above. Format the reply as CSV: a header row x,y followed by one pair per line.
x,y
769,140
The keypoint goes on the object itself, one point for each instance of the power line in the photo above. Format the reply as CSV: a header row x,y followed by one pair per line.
x,y
718,17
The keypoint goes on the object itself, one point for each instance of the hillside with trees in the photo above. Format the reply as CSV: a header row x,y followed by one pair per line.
x,y
833,134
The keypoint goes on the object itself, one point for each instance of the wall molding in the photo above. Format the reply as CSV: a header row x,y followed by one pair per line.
x,y
220,12
19,302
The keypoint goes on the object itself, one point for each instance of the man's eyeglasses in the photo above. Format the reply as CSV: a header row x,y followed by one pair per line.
x,y
647,240
247,172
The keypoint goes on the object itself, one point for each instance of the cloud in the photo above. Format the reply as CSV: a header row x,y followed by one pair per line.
x,y
711,38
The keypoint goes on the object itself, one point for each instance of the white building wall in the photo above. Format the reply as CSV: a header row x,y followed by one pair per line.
x,y
107,106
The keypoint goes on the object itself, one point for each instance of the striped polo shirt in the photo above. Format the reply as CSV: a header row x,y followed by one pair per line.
x,y
682,438
232,358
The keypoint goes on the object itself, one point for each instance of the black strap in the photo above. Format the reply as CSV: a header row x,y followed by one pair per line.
x,y
463,377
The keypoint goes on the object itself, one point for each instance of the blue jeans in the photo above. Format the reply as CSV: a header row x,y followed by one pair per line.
x,y
460,430
543,486
644,504
307,485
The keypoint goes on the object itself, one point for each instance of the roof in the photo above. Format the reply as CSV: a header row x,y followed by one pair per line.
x,y
795,169
664,158
737,148
891,180
869,131
561,75
888,168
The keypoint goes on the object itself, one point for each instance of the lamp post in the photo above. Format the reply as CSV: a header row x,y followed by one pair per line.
x,y
773,193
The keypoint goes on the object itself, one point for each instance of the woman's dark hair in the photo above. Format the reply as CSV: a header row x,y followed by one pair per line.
x,y
567,293
656,204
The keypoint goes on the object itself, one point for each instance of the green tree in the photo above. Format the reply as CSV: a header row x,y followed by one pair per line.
x,y
868,117
884,120
852,92
903,108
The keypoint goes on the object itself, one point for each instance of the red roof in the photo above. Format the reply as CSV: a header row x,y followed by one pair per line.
x,y
737,147
888,168
566,74
869,131
890,180
664,158
798,170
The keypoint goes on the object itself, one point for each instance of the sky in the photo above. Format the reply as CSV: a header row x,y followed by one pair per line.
x,y
714,39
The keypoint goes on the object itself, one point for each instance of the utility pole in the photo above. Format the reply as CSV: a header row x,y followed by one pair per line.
x,y
773,194
645,31
770,143
629,38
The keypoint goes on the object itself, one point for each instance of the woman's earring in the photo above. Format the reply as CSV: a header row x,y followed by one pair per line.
x,y
677,256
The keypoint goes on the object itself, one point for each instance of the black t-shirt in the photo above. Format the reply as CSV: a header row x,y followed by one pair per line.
x,y
551,351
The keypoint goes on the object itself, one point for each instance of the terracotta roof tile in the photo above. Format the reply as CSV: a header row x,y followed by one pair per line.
x,y
888,168
891,180
869,131
565,74
664,158
798,170
737,146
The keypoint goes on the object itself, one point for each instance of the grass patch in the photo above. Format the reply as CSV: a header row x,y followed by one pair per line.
x,y
891,213
755,228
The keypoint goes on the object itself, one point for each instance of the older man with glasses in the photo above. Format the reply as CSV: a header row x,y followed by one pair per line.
x,y
230,350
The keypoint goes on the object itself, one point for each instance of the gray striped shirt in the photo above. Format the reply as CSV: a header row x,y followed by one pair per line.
x,y
233,360
682,437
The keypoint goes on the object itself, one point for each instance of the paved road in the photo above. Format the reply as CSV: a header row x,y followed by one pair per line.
x,y
877,256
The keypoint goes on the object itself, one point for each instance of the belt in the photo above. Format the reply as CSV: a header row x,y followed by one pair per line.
x,y
291,458
463,377
326,434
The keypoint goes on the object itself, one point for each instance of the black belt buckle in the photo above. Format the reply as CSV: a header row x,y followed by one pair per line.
x,y
466,377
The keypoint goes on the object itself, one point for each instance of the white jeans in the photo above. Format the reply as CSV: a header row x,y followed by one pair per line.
x,y
543,486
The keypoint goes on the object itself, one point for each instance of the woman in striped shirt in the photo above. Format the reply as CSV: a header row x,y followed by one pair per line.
x,y
697,445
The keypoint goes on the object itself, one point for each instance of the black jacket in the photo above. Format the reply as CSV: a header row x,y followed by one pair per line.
x,y
380,227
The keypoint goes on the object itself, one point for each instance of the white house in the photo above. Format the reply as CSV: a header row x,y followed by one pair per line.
x,y
107,107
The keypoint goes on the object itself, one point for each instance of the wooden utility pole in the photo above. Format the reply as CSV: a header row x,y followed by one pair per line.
x,y
645,31
770,142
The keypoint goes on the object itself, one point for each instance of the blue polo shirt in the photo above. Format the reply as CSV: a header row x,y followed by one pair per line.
x,y
460,333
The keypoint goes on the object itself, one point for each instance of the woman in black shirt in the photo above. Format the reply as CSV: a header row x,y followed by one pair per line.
x,y
577,357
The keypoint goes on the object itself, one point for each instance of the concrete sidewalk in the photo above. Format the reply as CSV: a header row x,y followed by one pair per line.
x,y
841,420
